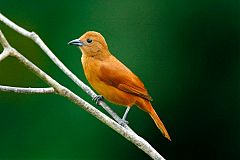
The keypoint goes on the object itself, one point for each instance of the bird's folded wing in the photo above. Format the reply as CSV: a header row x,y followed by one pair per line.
x,y
122,78
134,90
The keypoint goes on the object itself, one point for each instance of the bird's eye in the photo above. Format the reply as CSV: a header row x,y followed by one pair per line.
x,y
89,40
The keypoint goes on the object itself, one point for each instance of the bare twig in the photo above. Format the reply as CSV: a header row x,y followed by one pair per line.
x,y
4,42
4,54
125,131
27,90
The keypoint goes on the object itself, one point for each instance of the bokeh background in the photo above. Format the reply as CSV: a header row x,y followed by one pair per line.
x,y
186,52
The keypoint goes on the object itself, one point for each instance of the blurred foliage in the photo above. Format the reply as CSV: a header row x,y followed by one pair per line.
x,y
186,52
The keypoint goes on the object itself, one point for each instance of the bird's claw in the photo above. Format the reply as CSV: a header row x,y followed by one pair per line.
x,y
97,99
123,122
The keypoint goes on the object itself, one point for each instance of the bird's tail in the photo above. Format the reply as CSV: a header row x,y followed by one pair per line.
x,y
159,124
148,108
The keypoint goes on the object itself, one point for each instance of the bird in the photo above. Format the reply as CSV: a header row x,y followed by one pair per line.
x,y
112,79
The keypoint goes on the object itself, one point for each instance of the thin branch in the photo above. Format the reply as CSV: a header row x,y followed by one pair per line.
x,y
12,25
63,91
27,90
3,41
4,54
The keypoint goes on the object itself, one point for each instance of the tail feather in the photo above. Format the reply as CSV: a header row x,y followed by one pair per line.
x,y
147,107
159,124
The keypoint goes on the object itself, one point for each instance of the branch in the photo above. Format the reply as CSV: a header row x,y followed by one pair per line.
x,y
26,90
4,54
125,131
3,40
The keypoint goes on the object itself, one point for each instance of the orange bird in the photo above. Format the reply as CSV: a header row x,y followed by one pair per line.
x,y
112,79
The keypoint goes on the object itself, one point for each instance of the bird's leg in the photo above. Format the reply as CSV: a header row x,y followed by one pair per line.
x,y
125,115
97,99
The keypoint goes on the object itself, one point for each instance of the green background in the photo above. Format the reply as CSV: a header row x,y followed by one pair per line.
x,y
186,52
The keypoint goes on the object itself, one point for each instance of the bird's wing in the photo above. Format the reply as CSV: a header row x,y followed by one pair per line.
x,y
134,90
119,76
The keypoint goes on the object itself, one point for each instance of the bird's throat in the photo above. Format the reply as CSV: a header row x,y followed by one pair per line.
x,y
99,55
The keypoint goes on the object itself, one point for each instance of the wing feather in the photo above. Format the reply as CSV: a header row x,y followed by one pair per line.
x,y
119,76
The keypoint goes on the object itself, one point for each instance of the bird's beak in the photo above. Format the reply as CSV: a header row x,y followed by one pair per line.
x,y
76,42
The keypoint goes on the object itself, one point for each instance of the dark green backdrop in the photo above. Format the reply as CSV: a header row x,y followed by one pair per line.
x,y
186,52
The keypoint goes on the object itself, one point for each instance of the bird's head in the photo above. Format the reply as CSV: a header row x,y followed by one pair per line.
x,y
91,44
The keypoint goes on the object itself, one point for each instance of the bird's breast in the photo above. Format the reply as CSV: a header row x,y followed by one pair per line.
x,y
91,67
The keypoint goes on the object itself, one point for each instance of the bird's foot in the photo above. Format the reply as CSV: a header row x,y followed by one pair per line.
x,y
123,122
97,99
